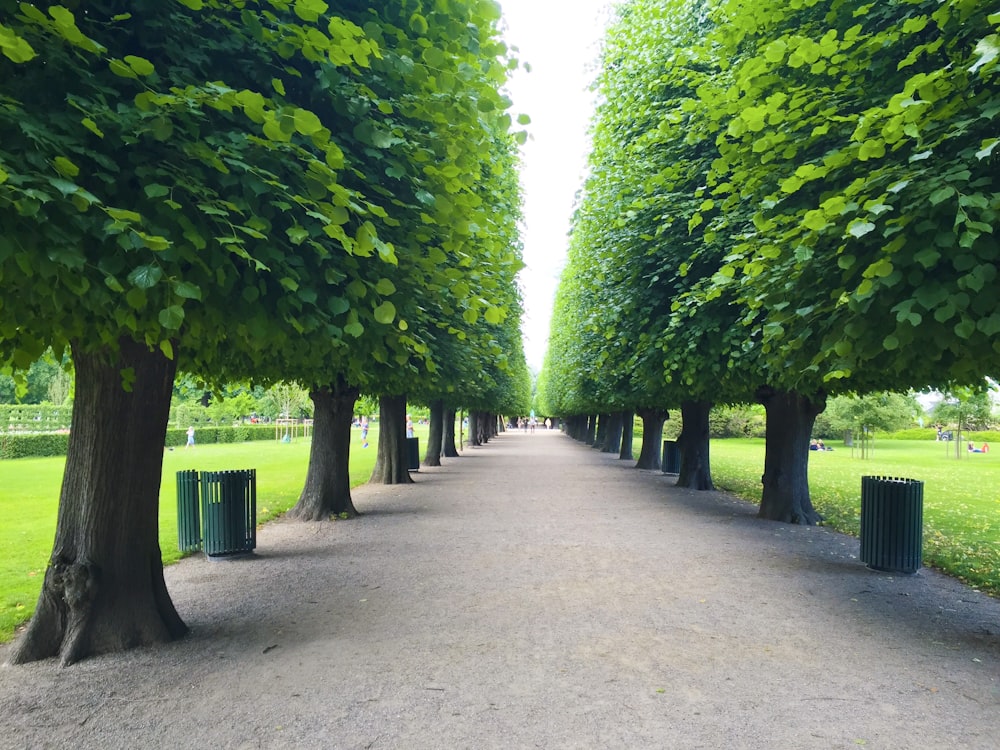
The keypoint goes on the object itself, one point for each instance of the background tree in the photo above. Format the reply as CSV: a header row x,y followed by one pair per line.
x,y
887,412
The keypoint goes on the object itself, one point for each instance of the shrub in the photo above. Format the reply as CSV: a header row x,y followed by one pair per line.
x,y
55,444
25,446
737,421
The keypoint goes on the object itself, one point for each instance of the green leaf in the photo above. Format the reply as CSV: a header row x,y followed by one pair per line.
x,y
92,127
187,290
310,10
941,195
385,313
965,328
121,214
14,47
65,167
297,235
156,191
987,51
172,317
136,298
145,277
140,65
120,68
307,122
385,287
338,305
860,228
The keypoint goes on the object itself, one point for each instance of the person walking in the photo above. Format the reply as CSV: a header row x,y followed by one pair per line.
x,y
190,438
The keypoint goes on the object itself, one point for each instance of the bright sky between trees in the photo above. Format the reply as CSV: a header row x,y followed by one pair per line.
x,y
560,42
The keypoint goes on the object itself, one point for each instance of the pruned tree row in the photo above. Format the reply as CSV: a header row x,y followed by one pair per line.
x,y
275,190
784,203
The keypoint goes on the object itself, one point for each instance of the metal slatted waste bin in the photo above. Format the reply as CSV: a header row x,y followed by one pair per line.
x,y
892,524
413,453
671,457
229,512
188,518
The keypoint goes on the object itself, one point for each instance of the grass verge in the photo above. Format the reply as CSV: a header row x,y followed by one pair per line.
x,y
961,496
30,497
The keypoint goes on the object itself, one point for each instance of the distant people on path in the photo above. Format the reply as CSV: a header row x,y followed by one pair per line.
x,y
531,424
190,438
548,423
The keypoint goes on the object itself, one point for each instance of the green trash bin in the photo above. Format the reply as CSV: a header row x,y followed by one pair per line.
x,y
413,453
892,524
229,512
671,463
188,518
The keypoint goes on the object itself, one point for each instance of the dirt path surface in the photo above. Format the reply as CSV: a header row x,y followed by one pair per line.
x,y
537,594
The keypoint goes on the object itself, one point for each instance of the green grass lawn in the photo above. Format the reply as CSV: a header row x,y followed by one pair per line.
x,y
961,496
29,497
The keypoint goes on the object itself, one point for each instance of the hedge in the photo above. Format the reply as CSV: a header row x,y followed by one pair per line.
x,y
55,444
930,433
34,418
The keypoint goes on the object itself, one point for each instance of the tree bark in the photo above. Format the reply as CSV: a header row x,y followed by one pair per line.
x,y
327,490
601,434
613,437
474,428
628,429
432,457
591,432
392,463
104,589
790,418
695,472
448,440
652,437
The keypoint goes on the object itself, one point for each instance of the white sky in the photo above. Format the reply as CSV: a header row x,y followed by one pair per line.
x,y
560,41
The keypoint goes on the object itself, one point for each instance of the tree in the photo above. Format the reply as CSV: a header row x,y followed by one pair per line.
x,y
966,408
884,411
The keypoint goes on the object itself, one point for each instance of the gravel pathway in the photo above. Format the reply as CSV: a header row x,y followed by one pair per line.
x,y
537,594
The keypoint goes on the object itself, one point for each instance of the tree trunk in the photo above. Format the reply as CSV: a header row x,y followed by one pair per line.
x,y
327,491
613,437
104,589
790,418
448,439
392,463
601,433
473,439
628,428
652,437
591,433
434,437
696,471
